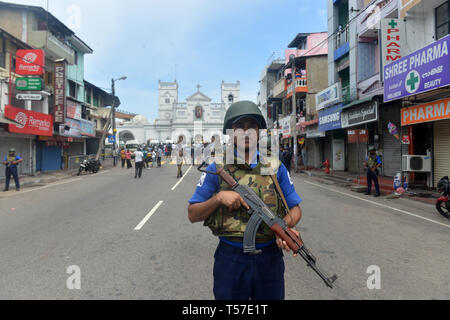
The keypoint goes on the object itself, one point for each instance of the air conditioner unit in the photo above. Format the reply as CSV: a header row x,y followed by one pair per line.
x,y
413,163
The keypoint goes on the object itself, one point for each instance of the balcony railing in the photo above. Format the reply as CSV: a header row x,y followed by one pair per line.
x,y
342,37
279,88
54,47
301,85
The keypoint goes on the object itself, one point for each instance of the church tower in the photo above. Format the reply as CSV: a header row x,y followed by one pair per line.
x,y
167,99
231,93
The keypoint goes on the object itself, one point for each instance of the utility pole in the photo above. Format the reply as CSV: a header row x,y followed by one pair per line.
x,y
113,113
111,119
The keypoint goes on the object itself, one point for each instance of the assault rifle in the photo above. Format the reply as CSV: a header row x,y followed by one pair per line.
x,y
259,212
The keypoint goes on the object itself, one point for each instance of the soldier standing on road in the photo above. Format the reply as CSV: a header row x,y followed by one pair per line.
x,y
372,163
11,161
239,276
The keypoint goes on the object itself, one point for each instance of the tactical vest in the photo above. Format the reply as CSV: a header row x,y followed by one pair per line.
x,y
372,160
232,225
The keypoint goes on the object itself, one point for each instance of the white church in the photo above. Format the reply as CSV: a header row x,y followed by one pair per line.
x,y
197,119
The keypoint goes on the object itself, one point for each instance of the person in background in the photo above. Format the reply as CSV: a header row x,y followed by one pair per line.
x,y
138,163
145,153
128,158
123,156
11,162
159,155
153,156
179,156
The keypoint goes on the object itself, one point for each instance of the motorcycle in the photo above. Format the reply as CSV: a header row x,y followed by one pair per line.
x,y
89,166
443,203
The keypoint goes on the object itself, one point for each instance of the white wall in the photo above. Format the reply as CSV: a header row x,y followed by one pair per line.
x,y
420,25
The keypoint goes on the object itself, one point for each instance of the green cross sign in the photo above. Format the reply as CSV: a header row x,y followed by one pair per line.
x,y
412,81
393,24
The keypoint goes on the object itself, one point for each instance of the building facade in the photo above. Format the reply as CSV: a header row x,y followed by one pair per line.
x,y
197,119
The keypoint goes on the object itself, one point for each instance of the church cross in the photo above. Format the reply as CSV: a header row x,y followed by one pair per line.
x,y
198,87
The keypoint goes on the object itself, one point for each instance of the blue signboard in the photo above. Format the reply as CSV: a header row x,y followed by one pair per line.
x,y
330,118
111,139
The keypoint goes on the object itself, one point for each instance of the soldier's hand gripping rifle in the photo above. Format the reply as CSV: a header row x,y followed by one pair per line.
x,y
259,212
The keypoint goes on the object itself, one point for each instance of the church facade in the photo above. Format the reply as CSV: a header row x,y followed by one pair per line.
x,y
197,119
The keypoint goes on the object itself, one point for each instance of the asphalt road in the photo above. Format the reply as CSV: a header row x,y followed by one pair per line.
x,y
131,239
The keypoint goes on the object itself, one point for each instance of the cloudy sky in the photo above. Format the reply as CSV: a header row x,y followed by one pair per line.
x,y
195,41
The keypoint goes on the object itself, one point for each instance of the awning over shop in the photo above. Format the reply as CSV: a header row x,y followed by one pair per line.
x,y
357,102
7,121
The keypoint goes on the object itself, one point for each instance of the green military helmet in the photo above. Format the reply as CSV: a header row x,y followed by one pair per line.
x,y
12,150
240,109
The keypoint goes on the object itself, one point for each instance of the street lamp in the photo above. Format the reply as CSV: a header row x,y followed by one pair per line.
x,y
113,114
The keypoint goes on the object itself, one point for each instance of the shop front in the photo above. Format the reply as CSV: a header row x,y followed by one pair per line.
x,y
419,83
429,154
22,135
334,144
360,121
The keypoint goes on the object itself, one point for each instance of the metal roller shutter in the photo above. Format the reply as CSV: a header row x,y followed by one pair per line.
x,y
391,146
441,149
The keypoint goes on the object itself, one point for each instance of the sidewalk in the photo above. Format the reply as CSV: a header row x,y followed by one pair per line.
x,y
359,184
43,178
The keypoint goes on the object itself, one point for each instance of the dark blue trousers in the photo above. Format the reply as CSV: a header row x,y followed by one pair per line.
x,y
372,176
11,171
238,276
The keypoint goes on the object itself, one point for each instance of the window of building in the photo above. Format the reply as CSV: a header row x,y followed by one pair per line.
x,y
48,78
2,59
88,97
167,100
230,98
366,58
95,98
72,89
442,15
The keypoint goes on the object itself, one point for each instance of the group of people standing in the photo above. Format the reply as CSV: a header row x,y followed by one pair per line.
x,y
142,158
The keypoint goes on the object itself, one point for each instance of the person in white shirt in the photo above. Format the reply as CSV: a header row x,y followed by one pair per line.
x,y
139,163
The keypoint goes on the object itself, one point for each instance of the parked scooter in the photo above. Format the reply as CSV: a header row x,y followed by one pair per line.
x,y
443,203
89,166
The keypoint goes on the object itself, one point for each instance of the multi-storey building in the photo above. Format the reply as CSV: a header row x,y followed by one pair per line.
x,y
307,52
40,30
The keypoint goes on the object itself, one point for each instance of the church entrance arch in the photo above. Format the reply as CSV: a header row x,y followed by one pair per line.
x,y
126,136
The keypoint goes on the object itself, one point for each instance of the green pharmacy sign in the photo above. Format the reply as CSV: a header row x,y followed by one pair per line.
x,y
29,84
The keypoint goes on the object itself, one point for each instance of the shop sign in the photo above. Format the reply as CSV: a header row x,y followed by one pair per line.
x,y
73,109
87,128
30,122
358,136
330,118
358,115
431,111
72,128
29,96
329,96
421,71
60,92
285,127
30,62
29,84
393,38
406,139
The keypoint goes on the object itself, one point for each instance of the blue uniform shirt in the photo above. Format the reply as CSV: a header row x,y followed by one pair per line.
x,y
13,165
209,185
